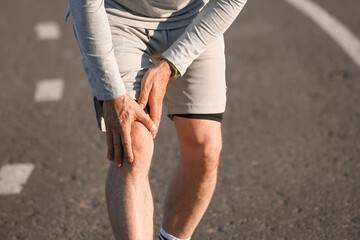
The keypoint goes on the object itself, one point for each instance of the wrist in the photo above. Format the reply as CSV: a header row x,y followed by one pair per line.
x,y
116,100
166,68
174,71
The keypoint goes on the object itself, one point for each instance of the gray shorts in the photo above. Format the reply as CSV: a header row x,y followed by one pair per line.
x,y
202,89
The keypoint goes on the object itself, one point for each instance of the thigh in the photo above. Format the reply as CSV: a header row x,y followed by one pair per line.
x,y
132,55
136,49
202,89
132,50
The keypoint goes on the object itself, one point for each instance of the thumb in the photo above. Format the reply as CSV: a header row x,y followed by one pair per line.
x,y
147,122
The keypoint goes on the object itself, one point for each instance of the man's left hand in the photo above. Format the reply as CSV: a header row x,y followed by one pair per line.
x,y
153,88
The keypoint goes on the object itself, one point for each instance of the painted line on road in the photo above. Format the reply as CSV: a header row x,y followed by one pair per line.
x,y
47,31
338,31
14,176
49,90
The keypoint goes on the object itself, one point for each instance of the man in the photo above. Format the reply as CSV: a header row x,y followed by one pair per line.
x,y
135,53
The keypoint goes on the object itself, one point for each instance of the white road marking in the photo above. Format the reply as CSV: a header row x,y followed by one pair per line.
x,y
13,177
49,90
47,31
338,31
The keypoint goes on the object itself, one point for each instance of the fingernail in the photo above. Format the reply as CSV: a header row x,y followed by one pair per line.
x,y
154,127
119,165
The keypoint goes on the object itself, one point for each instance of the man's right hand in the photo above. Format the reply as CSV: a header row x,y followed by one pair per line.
x,y
119,114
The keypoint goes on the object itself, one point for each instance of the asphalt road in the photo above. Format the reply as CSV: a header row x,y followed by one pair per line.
x,y
290,166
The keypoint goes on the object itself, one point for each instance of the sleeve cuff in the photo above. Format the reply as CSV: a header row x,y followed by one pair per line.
x,y
108,92
171,58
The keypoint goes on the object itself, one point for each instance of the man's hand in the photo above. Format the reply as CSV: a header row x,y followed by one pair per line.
x,y
153,88
119,114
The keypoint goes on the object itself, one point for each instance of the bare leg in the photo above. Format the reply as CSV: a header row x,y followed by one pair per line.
x,y
128,193
194,184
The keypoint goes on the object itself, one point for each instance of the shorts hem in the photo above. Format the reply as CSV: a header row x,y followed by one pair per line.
x,y
195,109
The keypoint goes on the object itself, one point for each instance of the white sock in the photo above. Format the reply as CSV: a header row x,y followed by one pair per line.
x,y
165,236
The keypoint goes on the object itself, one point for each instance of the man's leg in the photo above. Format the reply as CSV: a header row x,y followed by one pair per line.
x,y
128,193
194,183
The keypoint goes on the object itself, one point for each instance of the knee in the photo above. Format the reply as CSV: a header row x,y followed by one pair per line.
x,y
205,157
142,142
142,147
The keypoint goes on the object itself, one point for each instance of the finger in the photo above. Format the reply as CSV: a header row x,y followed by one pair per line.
x,y
117,148
146,121
144,93
110,144
126,140
155,111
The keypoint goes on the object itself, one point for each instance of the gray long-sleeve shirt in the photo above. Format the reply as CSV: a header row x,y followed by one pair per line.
x,y
206,21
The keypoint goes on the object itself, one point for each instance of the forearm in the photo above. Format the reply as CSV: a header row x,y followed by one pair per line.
x,y
212,21
94,38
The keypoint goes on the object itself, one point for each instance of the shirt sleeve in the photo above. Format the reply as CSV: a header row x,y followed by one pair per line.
x,y
93,33
211,22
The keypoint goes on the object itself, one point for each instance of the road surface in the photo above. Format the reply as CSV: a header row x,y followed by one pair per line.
x,y
290,166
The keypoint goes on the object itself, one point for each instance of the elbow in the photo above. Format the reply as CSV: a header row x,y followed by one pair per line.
x,y
233,4
90,5
238,3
